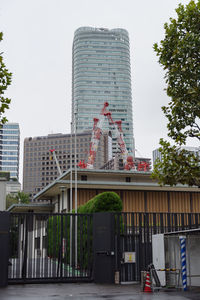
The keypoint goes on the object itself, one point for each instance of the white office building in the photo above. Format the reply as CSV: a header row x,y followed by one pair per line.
x,y
9,149
157,154
101,73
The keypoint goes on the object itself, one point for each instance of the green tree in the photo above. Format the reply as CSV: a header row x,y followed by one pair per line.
x,y
179,54
21,197
5,81
10,200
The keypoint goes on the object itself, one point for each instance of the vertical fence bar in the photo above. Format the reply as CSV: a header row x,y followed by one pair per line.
x,y
81,225
61,246
182,221
24,266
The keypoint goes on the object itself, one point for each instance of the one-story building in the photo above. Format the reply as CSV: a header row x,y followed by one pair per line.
x,y
138,191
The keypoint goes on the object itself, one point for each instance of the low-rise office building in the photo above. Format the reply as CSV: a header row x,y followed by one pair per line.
x,y
40,168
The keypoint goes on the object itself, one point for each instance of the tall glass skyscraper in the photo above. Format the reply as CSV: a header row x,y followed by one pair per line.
x,y
9,149
101,72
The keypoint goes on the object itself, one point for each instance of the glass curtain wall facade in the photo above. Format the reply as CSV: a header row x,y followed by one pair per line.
x,y
101,72
9,149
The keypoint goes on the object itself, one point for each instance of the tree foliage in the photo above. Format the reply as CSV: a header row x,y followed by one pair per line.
x,y
5,81
179,54
20,197
23,197
10,200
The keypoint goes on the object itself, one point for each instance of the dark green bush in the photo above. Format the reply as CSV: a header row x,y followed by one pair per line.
x,y
104,202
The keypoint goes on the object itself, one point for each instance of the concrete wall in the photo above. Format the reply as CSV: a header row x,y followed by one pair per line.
x,y
2,195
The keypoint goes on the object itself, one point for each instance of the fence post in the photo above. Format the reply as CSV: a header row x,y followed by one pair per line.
x,y
4,247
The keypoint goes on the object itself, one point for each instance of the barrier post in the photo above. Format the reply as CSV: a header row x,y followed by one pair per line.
x,y
183,261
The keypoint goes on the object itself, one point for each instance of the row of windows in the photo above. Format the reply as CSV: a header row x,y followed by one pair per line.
x,y
9,147
102,53
33,151
115,45
9,169
81,50
100,98
92,69
55,142
9,142
13,174
102,59
89,34
9,137
60,162
10,126
98,79
125,67
9,152
101,72
102,91
9,158
99,37
9,132
5,163
102,84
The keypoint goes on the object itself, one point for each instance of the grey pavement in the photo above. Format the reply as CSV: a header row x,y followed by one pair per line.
x,y
90,291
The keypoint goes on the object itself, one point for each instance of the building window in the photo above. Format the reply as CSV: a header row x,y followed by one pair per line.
x,y
84,177
128,179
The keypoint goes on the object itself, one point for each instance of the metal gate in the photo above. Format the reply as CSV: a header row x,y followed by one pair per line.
x,y
50,247
133,239
59,247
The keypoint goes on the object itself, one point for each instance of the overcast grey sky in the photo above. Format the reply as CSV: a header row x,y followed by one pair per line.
x,y
37,46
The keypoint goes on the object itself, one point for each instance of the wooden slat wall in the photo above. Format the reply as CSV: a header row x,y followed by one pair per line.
x,y
195,202
85,195
179,202
157,202
133,201
149,201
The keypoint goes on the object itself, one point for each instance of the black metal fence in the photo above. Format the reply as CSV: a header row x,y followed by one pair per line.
x,y
134,234
46,247
59,247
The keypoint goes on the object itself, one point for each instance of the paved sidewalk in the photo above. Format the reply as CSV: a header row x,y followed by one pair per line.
x,y
89,291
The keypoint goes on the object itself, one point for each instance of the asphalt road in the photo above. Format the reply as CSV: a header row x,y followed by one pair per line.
x,y
90,291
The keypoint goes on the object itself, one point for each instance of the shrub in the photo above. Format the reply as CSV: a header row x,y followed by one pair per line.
x,y
104,202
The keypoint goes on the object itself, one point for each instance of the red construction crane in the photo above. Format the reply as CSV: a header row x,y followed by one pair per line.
x,y
96,135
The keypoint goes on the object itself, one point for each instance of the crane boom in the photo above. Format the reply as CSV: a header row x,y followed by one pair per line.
x,y
55,158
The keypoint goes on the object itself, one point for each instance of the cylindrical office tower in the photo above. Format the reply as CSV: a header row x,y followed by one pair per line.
x,y
101,72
